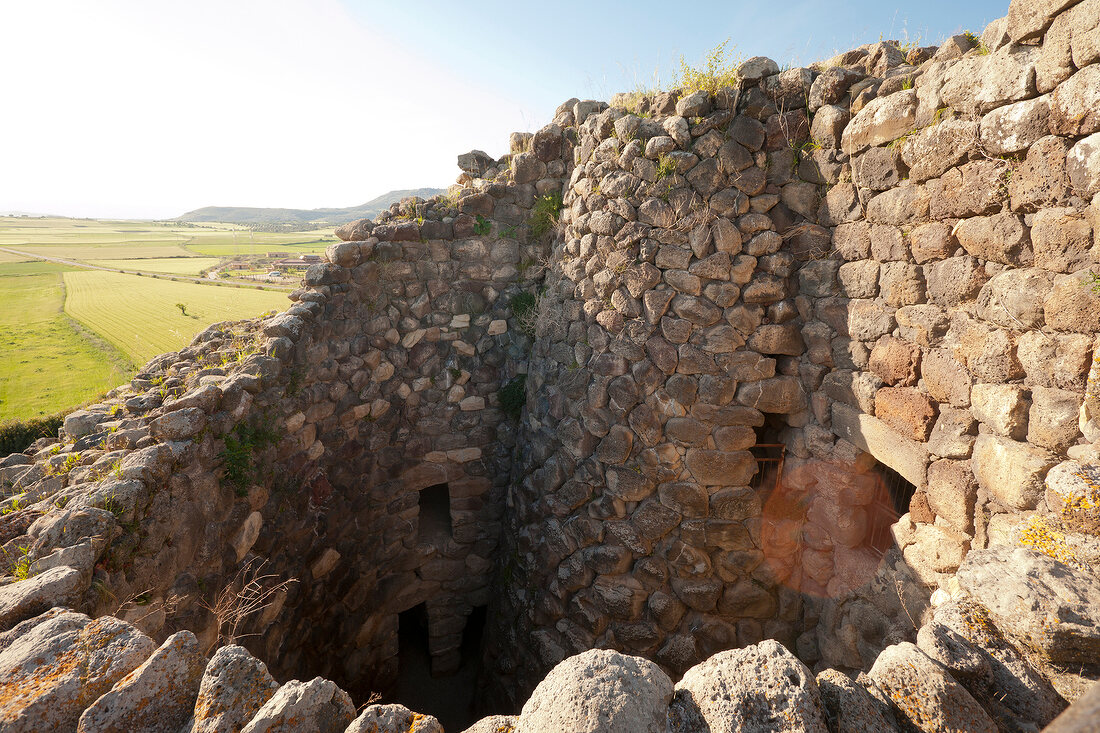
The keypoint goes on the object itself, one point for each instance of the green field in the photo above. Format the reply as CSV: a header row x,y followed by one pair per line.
x,y
87,240
68,334
169,265
45,364
138,315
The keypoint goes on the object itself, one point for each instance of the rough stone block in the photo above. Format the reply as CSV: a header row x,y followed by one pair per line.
x,y
1010,471
907,457
907,410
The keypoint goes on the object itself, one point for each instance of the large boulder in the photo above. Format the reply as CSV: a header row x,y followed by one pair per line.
x,y
928,697
54,666
393,719
599,691
758,688
234,686
1051,607
157,696
961,638
317,706
851,708
59,586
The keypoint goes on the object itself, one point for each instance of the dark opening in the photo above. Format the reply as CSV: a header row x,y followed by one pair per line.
x,y
891,501
435,513
769,452
449,698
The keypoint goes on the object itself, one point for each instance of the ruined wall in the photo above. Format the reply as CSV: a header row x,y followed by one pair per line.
x,y
301,444
882,262
797,347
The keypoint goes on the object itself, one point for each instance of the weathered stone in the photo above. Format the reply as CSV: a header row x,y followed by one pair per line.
x,y
1041,180
952,492
157,696
881,121
599,690
907,457
907,410
59,586
954,280
849,707
60,664
1062,239
933,241
1073,305
399,719
1083,165
1011,471
748,689
1033,598
233,687
925,694
1059,361
901,283
982,83
931,151
1001,407
868,320
899,206
1075,104
924,325
1016,695
1014,128
1053,418
896,361
859,279
720,468
783,395
878,169
317,706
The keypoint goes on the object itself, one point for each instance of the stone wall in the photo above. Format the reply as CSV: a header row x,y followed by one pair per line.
x,y
792,350
297,447
883,262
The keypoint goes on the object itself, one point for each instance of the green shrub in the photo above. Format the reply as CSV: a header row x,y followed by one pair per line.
x,y
523,308
719,70
513,395
17,435
241,446
483,226
544,217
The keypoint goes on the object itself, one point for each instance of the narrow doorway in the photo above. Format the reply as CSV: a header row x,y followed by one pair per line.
x,y
435,513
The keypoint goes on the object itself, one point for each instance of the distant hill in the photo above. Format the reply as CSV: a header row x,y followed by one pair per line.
x,y
250,215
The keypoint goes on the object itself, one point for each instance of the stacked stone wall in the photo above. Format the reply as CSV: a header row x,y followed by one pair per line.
x,y
791,351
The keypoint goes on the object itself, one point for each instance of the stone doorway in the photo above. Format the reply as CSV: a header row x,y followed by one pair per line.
x,y
890,502
435,514
449,697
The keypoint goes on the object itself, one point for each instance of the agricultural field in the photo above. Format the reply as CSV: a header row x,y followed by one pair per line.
x,y
87,240
139,316
68,334
46,364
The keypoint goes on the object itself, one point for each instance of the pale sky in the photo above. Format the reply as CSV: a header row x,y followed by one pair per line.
x,y
149,108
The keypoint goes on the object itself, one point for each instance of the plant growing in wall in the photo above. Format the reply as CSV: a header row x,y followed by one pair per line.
x,y
524,309
718,70
241,446
483,226
544,215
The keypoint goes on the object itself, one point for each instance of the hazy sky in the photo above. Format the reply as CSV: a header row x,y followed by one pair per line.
x,y
149,108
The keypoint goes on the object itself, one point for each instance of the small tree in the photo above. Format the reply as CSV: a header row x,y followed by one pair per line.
x,y
182,307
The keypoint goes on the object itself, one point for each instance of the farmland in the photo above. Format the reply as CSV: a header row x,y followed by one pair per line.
x,y
139,316
68,333
46,365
